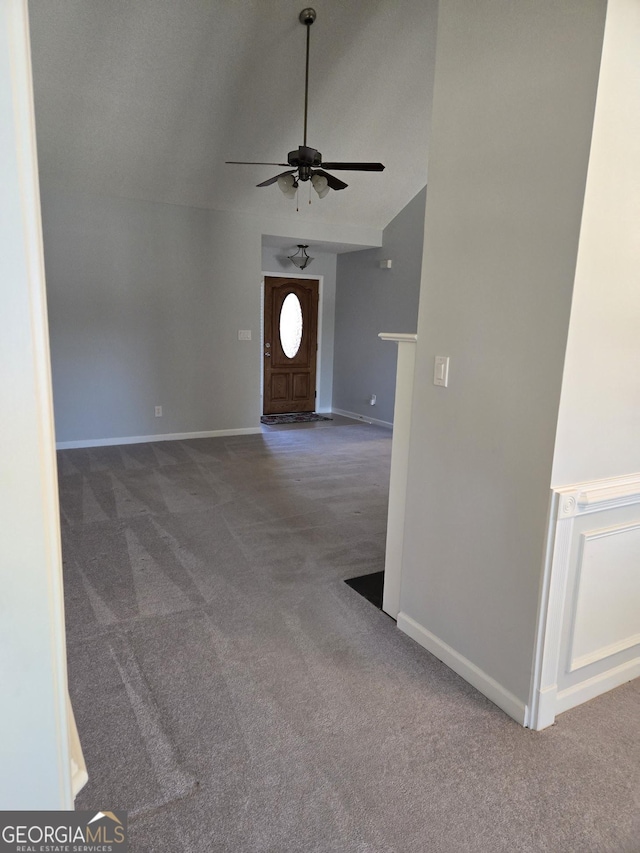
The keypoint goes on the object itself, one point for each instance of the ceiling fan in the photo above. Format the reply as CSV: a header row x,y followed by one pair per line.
x,y
307,163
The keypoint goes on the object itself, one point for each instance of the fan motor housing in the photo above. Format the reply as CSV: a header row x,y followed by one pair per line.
x,y
304,156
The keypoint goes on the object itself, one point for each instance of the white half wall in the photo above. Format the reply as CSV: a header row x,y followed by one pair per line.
x,y
405,372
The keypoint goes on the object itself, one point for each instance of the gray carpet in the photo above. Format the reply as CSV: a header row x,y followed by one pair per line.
x,y
235,695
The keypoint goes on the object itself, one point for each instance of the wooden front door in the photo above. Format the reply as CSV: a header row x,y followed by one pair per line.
x,y
290,345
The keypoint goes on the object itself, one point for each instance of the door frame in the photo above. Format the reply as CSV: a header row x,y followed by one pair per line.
x,y
319,377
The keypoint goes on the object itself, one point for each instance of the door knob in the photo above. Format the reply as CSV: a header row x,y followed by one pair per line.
x,y
267,355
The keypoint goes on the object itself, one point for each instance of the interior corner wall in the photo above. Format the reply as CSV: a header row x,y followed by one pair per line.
x,y
370,300
324,264
515,87
599,419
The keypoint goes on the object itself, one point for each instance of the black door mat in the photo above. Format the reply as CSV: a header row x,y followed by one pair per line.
x,y
369,586
293,418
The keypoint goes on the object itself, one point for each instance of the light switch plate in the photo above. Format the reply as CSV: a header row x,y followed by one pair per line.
x,y
244,334
441,370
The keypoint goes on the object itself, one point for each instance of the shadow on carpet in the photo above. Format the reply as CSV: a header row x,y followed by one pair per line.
x,y
369,586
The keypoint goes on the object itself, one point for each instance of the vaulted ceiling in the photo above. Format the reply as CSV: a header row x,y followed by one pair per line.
x,y
147,99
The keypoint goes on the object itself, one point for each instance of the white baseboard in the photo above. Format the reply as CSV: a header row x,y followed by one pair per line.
x,y
143,439
366,420
488,686
598,684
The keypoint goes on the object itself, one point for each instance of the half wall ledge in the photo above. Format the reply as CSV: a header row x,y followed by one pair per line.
x,y
399,468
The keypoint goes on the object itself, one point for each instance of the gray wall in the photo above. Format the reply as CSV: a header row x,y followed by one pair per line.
x,y
323,264
370,300
145,304
514,96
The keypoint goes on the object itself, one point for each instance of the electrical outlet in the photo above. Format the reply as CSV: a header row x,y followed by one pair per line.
x,y
372,400
158,411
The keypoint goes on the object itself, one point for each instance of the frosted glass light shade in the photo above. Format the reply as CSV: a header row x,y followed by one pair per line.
x,y
320,185
301,259
288,185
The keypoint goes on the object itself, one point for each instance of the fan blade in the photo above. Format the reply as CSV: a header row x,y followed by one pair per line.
x,y
270,181
246,163
355,167
334,183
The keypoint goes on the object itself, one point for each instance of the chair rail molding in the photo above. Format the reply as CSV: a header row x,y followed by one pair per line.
x,y
399,468
588,638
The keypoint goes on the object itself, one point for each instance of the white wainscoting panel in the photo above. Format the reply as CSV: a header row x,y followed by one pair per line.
x,y
589,622
607,594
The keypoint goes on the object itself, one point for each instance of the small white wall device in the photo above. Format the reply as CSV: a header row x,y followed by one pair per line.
x,y
441,370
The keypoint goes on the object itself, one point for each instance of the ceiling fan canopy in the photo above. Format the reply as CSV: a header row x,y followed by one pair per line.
x,y
306,162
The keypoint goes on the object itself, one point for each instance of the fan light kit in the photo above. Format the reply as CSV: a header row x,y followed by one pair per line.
x,y
300,258
305,161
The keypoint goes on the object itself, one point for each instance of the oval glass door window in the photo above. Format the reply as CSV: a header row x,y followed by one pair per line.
x,y
291,325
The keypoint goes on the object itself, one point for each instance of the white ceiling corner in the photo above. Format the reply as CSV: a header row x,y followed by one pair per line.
x,y
148,98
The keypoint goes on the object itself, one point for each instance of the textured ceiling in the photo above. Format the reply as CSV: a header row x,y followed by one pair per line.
x,y
147,99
